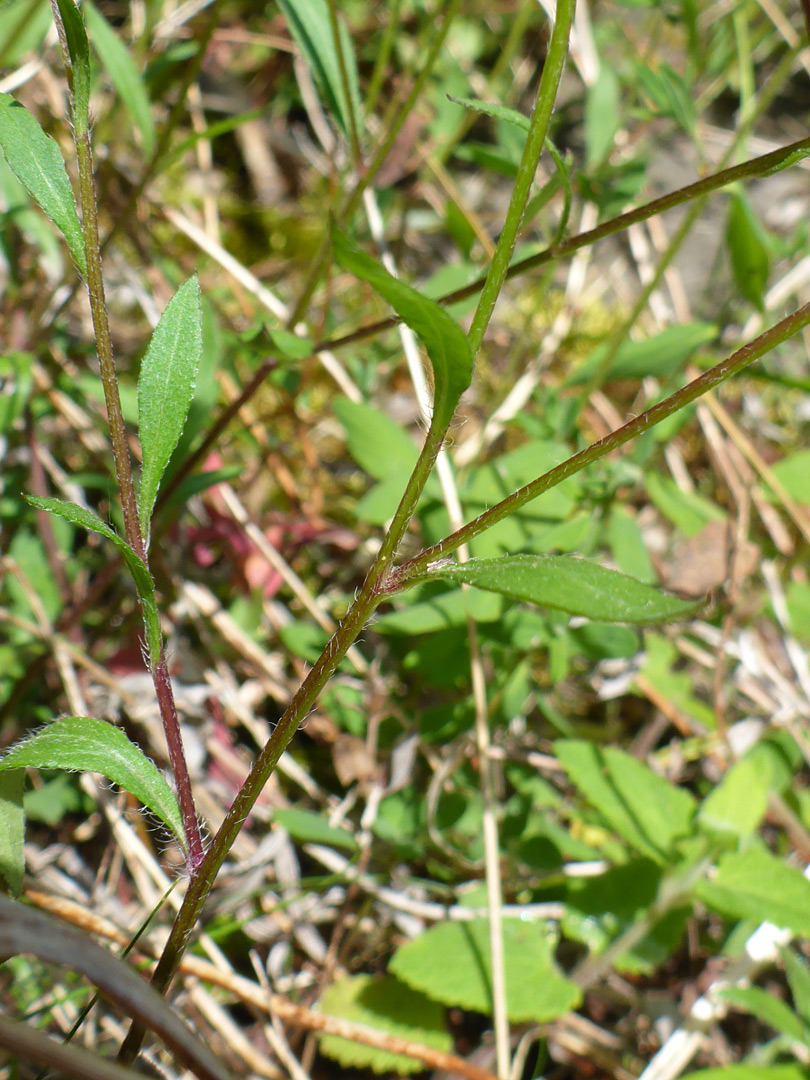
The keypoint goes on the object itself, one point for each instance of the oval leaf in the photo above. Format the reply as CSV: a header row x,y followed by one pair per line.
x,y
166,387
25,930
83,744
36,161
445,343
568,584
143,579
451,963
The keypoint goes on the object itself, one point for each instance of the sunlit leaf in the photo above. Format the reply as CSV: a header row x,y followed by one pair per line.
x,y
165,389
84,744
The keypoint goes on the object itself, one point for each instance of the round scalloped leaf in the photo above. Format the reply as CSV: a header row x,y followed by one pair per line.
x,y
84,744
451,963
390,1006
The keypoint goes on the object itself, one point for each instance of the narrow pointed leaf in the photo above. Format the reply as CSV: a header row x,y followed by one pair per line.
x,y
446,344
12,829
36,161
79,52
166,387
311,27
83,744
143,579
569,584
25,930
123,72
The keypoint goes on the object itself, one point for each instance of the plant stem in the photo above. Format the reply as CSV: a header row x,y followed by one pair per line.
x,y
538,129
416,569
748,170
120,449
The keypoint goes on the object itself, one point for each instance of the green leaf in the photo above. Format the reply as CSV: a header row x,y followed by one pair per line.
x,y
451,963
83,744
36,161
12,829
378,445
687,510
446,345
312,828
754,884
499,112
793,473
750,1072
644,809
123,73
767,1008
747,250
441,612
143,579
798,977
739,801
311,27
601,116
662,354
387,1005
290,346
166,387
569,584
79,52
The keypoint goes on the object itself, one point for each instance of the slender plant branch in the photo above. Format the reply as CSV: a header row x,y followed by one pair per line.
x,y
120,449
748,170
417,568
337,40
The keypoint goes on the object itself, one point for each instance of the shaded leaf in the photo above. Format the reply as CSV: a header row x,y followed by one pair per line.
x,y
747,250
754,884
36,161
662,354
767,1008
311,27
143,579
391,1007
12,829
569,584
750,1072
84,744
446,344
124,74
798,977
312,828
451,963
601,116
644,809
25,930
165,389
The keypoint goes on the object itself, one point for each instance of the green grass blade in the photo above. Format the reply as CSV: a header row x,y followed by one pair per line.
x,y
123,73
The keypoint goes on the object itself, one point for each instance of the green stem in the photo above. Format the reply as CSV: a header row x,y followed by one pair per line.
x,y
383,56
348,100
538,129
417,568
756,168
120,449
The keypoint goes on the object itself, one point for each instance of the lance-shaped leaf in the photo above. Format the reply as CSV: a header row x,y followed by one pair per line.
x,y
311,27
166,387
143,579
445,343
568,584
25,930
83,744
36,161
79,52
